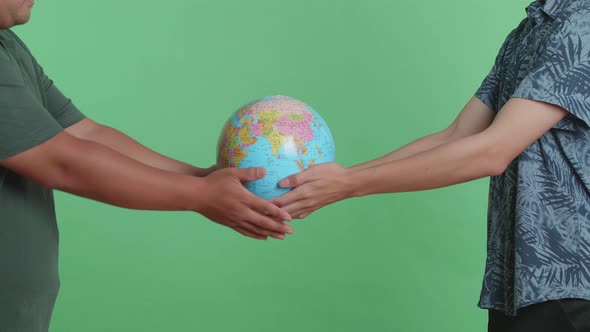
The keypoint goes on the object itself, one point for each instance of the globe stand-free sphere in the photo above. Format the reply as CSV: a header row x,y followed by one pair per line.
x,y
279,133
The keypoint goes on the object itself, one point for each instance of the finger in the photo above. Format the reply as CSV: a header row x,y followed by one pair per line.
x,y
248,233
305,213
288,198
260,231
267,223
294,180
311,174
279,219
248,174
269,209
297,209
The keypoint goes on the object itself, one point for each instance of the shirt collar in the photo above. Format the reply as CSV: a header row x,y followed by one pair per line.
x,y
553,7
8,43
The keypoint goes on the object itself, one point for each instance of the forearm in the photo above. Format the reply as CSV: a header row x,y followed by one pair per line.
x,y
422,144
91,170
474,118
126,145
457,161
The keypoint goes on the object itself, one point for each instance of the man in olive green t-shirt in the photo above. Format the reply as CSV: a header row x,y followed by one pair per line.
x,y
47,143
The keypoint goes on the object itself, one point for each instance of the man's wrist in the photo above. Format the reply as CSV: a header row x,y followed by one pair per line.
x,y
195,194
354,182
202,172
359,182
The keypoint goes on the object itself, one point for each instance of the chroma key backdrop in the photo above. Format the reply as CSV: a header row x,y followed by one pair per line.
x,y
170,73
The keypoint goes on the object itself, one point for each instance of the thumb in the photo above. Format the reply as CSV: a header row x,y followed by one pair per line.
x,y
249,174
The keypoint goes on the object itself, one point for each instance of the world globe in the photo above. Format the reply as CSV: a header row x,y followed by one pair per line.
x,y
279,133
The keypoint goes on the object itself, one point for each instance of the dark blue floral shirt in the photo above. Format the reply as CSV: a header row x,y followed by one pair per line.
x,y
538,244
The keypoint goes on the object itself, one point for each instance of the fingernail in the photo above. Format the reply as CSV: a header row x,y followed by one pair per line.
x,y
284,183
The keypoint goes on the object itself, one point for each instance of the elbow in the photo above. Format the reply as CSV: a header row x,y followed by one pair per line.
x,y
494,162
56,178
62,167
490,156
496,168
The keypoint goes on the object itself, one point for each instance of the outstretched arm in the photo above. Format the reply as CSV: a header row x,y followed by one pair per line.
x,y
472,119
122,143
520,123
92,170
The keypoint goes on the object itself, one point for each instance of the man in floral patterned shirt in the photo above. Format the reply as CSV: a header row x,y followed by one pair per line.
x,y
528,127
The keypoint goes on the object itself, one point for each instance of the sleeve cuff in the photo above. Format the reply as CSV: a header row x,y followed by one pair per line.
x,y
30,141
577,105
69,115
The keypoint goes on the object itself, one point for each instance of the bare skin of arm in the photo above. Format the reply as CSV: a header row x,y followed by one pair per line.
x,y
473,118
90,130
94,171
486,153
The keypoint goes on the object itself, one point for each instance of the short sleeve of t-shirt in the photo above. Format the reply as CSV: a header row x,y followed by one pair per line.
x,y
562,74
59,106
24,121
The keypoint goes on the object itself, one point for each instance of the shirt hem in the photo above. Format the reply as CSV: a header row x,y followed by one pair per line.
x,y
501,307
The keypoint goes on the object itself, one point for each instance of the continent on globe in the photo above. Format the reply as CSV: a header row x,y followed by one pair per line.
x,y
279,133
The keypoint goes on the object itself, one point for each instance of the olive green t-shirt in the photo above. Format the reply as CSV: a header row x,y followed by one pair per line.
x,y
32,111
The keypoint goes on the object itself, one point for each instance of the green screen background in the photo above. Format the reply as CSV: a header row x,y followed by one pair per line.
x,y
382,73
